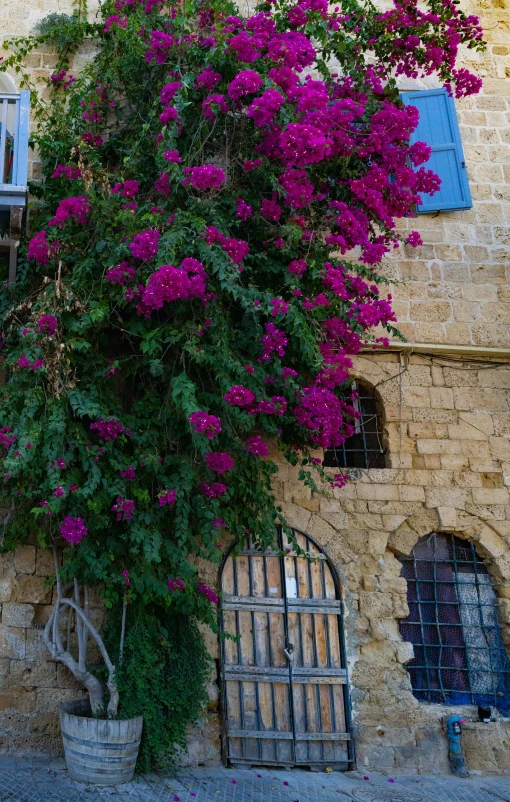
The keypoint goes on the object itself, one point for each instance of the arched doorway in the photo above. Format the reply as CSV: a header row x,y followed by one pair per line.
x,y
284,677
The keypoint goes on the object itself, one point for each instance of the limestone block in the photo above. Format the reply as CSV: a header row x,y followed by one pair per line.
x,y
500,447
375,605
417,396
485,495
4,673
7,584
22,700
17,615
45,724
438,446
441,398
447,519
467,431
377,492
367,521
339,520
404,652
411,493
12,642
49,699
447,497
479,421
368,565
393,584
24,560
369,582
28,673
35,647
400,607
32,589
296,516
454,462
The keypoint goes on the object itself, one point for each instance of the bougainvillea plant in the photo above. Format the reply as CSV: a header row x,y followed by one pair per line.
x,y
218,192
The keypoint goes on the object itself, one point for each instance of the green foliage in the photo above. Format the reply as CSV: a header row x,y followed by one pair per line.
x,y
62,30
163,677
150,368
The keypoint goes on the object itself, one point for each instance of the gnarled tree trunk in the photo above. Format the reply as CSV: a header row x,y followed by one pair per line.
x,y
84,628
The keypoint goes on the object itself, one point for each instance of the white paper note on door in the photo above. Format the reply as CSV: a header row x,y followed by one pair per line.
x,y
291,587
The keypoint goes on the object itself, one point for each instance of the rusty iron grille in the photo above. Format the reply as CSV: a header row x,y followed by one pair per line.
x,y
453,624
284,670
365,448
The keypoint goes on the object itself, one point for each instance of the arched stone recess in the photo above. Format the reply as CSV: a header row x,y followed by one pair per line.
x,y
491,544
7,84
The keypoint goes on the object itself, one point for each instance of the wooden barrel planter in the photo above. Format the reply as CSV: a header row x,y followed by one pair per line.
x,y
99,751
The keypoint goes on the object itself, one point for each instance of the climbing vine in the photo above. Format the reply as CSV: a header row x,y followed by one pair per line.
x,y
218,193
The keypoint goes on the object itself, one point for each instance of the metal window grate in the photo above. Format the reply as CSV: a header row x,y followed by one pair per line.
x,y
453,624
364,449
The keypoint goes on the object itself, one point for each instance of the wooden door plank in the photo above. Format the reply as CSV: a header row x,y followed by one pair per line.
x,y
233,717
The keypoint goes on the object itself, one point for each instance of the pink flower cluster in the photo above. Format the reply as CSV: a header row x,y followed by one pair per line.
x,y
128,189
176,584
24,362
237,249
40,249
207,79
263,109
167,497
109,429
71,172
128,473
145,245
255,445
208,593
73,529
47,324
78,209
246,82
239,396
120,274
219,461
205,177
6,438
214,103
270,210
124,508
115,21
280,307
322,412
214,490
243,209
274,340
203,423
171,283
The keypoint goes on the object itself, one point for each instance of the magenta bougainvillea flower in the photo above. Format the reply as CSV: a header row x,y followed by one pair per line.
x,y
73,529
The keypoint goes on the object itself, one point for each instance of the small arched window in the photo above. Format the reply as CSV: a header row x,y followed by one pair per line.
x,y
453,624
365,448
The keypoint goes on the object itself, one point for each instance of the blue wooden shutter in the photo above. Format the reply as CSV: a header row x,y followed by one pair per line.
x,y
438,127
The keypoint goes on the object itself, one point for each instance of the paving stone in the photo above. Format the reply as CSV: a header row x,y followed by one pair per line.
x,y
40,781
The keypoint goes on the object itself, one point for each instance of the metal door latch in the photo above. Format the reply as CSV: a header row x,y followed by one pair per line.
x,y
289,652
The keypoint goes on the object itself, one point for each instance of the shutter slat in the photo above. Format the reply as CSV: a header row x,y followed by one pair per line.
x,y
438,127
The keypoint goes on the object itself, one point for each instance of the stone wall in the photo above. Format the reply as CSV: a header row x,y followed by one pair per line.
x,y
447,425
447,428
31,684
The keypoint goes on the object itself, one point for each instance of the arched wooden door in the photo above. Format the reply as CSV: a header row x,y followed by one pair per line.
x,y
285,695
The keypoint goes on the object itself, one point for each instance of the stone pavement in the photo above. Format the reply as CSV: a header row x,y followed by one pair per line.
x,y
48,781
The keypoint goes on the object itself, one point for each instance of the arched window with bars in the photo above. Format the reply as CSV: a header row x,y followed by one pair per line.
x,y
365,449
453,624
